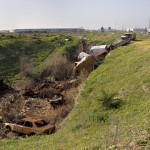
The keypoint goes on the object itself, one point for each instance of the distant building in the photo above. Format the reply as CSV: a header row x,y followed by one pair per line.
x,y
148,31
109,29
4,31
140,30
49,30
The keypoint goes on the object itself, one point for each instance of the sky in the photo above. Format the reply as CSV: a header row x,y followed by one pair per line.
x,y
89,14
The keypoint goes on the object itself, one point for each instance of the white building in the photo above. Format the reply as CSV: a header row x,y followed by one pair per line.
x,y
49,30
4,31
140,30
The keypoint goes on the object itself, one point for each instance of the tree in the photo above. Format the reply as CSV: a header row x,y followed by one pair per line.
x,y
102,29
145,30
109,28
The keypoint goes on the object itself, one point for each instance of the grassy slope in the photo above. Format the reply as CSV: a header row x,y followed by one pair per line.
x,y
40,49
125,71
12,49
37,48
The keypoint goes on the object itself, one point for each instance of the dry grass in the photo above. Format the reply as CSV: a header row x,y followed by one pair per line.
x,y
26,67
83,75
48,93
60,69
57,115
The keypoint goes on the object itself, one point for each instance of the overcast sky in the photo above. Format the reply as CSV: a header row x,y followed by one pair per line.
x,y
90,14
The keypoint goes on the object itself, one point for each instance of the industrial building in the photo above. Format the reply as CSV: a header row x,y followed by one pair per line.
x,y
49,30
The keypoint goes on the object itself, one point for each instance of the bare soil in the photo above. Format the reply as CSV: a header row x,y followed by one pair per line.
x,y
35,101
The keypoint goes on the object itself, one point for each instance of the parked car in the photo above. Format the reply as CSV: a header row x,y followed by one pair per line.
x,y
30,126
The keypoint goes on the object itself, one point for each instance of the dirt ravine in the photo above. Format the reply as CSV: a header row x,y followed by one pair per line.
x,y
46,99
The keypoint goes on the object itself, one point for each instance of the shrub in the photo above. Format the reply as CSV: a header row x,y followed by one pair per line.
x,y
26,67
60,69
109,101
57,115
70,95
71,51
99,118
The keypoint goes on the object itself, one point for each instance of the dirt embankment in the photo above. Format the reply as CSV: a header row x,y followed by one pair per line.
x,y
46,99
50,97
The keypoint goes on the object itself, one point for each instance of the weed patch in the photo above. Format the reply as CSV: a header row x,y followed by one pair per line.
x,y
109,101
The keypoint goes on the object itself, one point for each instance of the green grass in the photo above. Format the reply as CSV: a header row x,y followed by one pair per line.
x,y
103,38
40,49
90,126
37,48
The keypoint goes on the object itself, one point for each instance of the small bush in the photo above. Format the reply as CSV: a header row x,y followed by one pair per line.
x,y
99,118
109,101
26,67
77,127
61,69
71,51
70,95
